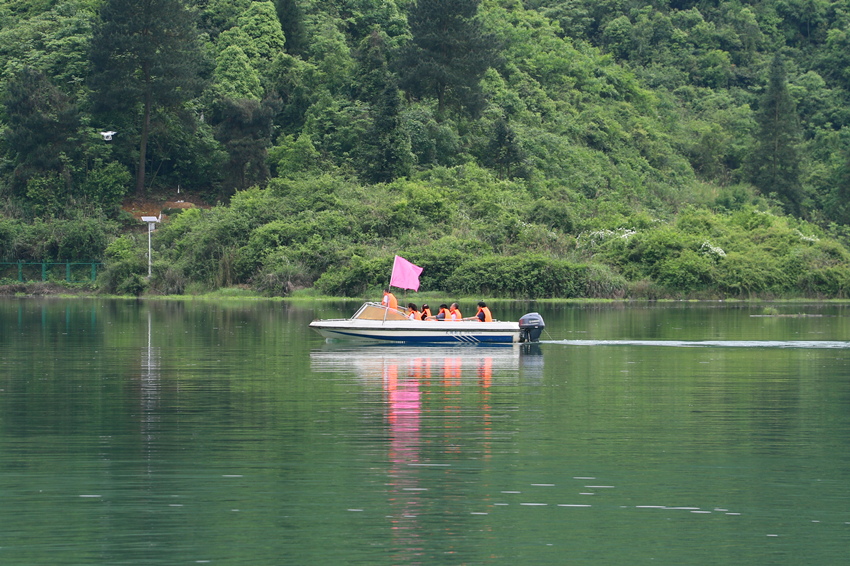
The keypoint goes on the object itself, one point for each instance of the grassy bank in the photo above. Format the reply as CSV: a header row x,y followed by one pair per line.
x,y
308,296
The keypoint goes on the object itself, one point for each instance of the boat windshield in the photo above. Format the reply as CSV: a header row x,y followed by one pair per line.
x,y
375,311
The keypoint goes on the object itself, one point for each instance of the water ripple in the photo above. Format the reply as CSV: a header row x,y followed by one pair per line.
x,y
810,344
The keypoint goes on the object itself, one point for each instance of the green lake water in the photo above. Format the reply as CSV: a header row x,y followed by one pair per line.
x,y
166,432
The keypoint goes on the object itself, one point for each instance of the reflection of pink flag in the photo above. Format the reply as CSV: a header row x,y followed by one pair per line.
x,y
405,274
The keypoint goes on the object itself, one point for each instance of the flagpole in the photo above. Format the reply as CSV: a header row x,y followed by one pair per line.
x,y
390,284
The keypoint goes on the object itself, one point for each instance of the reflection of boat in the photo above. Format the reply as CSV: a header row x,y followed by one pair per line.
x,y
368,361
376,322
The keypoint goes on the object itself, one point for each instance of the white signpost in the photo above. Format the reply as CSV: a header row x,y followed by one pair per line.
x,y
152,221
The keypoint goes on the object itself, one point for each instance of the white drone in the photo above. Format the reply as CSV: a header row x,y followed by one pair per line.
x,y
107,136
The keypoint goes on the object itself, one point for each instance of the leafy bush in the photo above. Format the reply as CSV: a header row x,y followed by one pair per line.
x,y
169,278
79,237
741,274
107,184
686,272
733,198
126,267
531,276
605,283
280,277
45,194
828,281
82,238
11,232
354,279
554,214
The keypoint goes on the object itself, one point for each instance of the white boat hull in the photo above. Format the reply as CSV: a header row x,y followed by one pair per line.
x,y
414,331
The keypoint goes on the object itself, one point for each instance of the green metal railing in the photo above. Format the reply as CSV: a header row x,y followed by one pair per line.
x,y
26,269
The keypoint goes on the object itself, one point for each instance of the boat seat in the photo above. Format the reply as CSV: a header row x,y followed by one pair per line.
x,y
371,312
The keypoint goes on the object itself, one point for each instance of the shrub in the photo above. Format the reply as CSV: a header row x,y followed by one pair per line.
x,y
83,238
355,278
10,235
427,202
125,267
45,194
646,289
605,283
751,272
282,280
656,246
169,278
733,198
80,237
107,184
519,276
686,272
440,259
751,218
554,214
696,221
830,281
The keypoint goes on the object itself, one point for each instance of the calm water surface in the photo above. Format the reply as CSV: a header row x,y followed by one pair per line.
x,y
228,433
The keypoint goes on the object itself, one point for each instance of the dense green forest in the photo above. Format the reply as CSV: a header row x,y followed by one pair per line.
x,y
566,148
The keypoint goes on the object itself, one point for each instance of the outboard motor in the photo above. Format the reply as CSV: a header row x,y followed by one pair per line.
x,y
531,327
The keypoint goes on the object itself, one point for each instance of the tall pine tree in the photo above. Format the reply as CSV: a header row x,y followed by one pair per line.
x,y
292,23
504,152
41,126
244,127
40,140
143,53
448,55
775,161
385,154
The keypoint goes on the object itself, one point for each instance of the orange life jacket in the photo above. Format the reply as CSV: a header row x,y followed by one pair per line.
x,y
426,313
487,316
455,315
414,315
390,301
445,313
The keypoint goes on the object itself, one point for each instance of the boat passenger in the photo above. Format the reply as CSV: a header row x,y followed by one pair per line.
x,y
483,312
443,314
426,312
389,300
454,313
412,312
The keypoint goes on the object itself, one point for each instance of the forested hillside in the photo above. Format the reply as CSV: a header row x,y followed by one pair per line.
x,y
549,148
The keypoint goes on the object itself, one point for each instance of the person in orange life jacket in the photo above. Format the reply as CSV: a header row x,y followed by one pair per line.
x,y
389,300
444,312
426,312
412,313
454,313
483,312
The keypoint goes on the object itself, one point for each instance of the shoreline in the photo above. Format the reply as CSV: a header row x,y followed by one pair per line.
x,y
54,290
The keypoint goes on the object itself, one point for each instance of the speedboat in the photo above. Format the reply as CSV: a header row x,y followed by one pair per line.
x,y
375,321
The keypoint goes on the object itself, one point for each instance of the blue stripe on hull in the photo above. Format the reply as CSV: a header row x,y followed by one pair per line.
x,y
452,339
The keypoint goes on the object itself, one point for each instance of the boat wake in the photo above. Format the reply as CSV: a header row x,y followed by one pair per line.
x,y
810,344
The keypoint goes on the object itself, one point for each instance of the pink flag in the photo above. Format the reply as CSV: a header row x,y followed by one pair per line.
x,y
405,274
